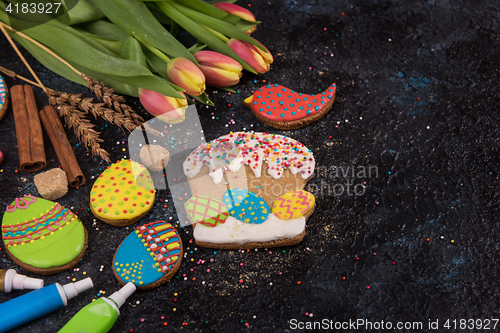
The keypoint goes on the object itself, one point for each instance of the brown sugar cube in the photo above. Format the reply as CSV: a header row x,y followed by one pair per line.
x,y
154,157
52,184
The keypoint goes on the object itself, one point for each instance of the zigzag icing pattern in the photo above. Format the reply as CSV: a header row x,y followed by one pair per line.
x,y
281,203
293,204
38,228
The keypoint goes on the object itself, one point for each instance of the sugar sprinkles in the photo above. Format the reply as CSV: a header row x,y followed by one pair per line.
x,y
231,151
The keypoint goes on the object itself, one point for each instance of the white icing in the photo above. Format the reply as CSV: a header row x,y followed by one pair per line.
x,y
234,231
232,151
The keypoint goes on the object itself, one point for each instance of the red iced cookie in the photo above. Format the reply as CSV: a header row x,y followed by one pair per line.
x,y
283,108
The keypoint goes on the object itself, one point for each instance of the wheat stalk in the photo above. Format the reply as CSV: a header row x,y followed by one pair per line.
x,y
76,120
117,102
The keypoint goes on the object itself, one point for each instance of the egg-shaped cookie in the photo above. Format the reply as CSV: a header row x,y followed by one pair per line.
x,y
206,211
122,194
246,206
149,256
294,204
4,98
42,236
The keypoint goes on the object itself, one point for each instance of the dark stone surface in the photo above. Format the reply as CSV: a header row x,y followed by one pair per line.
x,y
417,98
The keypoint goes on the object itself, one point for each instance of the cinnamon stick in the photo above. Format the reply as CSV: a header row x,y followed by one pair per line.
x,y
28,129
64,151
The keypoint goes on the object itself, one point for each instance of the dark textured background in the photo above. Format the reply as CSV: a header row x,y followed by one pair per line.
x,y
417,97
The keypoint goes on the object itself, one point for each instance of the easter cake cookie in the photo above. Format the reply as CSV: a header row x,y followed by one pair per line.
x,y
149,256
247,191
42,236
4,98
283,108
122,194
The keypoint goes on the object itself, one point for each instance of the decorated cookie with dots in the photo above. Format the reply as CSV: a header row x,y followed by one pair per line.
x,y
122,194
149,256
4,98
246,206
42,236
234,181
283,108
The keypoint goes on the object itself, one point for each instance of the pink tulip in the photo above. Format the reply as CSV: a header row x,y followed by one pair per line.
x,y
254,57
169,109
186,75
233,9
219,70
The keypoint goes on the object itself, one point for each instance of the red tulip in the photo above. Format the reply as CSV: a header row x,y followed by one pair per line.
x,y
186,75
169,109
233,9
219,70
254,57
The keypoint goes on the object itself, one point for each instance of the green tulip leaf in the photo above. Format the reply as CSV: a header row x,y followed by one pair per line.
x,y
218,25
105,29
202,34
83,11
135,18
203,98
76,50
54,65
157,64
132,51
204,8
112,45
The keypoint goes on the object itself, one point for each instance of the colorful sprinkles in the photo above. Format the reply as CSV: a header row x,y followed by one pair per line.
x,y
234,150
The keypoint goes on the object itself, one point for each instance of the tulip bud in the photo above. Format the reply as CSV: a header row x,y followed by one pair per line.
x,y
254,57
186,75
233,9
169,109
219,70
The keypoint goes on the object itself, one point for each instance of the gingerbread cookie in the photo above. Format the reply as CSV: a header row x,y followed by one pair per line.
x,y
247,191
42,236
4,98
122,194
149,256
283,108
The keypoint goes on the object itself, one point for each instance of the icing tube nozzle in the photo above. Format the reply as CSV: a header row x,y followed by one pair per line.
x,y
74,288
10,280
121,295
21,282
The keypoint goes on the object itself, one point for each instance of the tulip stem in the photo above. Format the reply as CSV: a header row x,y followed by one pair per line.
x,y
216,33
157,52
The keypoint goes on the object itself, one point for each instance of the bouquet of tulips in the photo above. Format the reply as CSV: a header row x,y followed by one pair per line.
x,y
131,46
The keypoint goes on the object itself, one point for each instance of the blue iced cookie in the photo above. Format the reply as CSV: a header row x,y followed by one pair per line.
x,y
149,256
